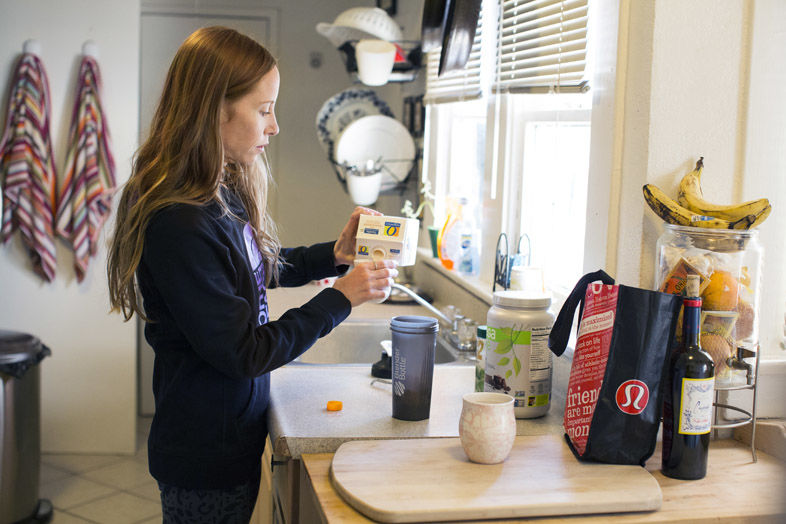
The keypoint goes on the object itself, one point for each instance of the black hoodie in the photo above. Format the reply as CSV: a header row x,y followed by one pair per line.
x,y
203,288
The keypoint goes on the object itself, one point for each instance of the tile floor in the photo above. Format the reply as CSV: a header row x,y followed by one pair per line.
x,y
102,489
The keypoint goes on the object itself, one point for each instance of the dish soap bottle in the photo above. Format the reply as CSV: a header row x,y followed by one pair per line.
x,y
458,241
469,254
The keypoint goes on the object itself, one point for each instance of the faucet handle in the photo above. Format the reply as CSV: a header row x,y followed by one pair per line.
x,y
467,333
451,312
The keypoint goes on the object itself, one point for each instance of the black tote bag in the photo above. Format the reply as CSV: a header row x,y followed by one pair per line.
x,y
613,405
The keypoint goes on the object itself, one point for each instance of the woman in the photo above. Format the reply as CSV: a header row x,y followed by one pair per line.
x,y
194,234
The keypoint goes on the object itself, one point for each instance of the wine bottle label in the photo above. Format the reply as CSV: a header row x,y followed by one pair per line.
x,y
696,406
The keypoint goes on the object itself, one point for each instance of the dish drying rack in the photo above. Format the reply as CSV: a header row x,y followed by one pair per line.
x,y
372,167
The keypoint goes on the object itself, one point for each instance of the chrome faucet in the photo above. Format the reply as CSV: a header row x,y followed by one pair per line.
x,y
460,332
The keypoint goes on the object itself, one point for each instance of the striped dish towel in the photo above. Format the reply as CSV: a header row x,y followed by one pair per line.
x,y
27,166
85,193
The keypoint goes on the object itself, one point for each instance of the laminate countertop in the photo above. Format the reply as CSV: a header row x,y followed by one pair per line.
x,y
298,421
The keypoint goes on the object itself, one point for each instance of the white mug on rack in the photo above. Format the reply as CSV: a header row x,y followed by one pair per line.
x,y
364,189
375,61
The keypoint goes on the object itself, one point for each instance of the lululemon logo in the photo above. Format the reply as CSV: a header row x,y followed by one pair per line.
x,y
632,397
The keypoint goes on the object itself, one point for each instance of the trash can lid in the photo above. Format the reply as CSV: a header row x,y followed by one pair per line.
x,y
18,347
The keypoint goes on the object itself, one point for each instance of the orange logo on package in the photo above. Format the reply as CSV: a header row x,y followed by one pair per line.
x,y
392,229
363,250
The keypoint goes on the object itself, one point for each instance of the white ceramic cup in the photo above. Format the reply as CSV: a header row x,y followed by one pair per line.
x,y
387,289
375,61
364,190
527,278
487,427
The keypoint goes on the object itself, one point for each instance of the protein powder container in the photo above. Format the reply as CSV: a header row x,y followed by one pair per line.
x,y
518,359
480,364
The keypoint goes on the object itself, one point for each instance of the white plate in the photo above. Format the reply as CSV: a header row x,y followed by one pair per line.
x,y
374,137
341,110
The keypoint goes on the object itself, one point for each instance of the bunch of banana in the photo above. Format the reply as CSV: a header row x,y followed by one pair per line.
x,y
691,209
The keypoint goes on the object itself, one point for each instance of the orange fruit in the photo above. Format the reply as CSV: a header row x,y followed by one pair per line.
x,y
721,293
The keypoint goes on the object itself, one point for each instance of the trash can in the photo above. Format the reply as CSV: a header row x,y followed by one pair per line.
x,y
20,429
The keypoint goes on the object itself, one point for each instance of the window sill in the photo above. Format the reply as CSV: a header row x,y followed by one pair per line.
x,y
473,285
481,290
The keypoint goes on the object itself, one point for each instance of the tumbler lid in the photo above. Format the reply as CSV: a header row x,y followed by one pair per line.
x,y
414,324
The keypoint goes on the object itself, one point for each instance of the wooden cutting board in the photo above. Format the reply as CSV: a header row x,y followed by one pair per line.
x,y
422,480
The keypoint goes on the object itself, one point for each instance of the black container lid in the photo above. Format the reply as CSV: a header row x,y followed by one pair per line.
x,y
18,347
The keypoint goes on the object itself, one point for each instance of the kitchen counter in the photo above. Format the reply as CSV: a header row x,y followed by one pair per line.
x,y
734,490
299,423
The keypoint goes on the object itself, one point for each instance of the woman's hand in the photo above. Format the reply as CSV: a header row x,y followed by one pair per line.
x,y
367,281
344,249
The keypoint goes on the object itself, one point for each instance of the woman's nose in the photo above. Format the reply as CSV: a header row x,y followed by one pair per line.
x,y
272,128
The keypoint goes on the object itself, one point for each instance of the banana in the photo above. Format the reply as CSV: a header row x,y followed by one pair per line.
x,y
690,196
759,217
673,213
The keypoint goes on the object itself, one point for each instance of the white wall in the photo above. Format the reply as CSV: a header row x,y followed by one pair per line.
x,y
699,78
763,159
88,385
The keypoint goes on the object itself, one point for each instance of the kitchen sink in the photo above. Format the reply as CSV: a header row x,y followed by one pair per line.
x,y
357,342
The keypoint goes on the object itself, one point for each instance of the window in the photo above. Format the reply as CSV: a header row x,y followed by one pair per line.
x,y
460,147
521,145
549,170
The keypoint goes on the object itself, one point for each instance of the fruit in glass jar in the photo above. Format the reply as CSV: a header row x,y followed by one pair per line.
x,y
722,292
719,349
744,326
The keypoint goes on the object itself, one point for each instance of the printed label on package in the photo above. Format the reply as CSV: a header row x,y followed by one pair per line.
x,y
589,361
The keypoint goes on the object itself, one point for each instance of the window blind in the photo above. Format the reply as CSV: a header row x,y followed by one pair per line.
x,y
453,86
541,45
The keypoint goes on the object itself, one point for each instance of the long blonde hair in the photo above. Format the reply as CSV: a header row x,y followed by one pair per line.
x,y
182,160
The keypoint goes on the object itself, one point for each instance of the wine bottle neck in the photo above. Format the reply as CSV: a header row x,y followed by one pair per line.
x,y
691,319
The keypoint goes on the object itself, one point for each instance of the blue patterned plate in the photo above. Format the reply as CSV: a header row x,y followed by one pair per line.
x,y
341,110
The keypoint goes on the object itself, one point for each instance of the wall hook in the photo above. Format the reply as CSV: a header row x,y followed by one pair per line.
x,y
90,48
32,46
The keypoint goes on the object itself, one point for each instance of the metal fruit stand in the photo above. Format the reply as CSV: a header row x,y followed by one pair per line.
x,y
751,382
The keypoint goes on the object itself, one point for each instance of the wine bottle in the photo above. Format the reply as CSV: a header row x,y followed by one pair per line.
x,y
688,395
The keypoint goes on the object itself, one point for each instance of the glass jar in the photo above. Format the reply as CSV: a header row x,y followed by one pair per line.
x,y
729,264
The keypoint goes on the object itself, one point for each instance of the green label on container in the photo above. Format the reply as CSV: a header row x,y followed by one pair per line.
x,y
510,335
